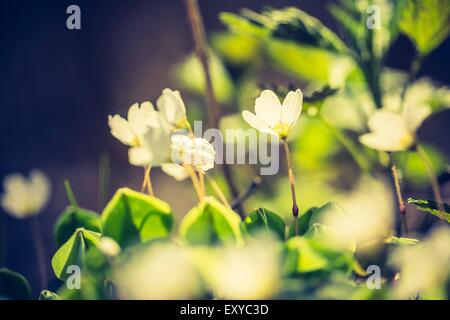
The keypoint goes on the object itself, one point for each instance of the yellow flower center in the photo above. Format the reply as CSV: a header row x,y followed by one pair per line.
x,y
282,130
135,142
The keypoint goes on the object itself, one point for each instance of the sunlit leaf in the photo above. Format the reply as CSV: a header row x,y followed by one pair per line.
x,y
48,295
426,23
190,76
432,207
210,222
72,253
132,217
263,220
73,218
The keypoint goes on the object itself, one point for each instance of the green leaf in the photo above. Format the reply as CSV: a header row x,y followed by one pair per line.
x,y
401,241
264,220
73,218
73,252
13,286
190,76
320,94
210,222
310,255
432,207
426,23
48,295
132,217
312,216
290,24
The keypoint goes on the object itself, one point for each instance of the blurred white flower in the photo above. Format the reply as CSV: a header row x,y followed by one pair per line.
x,y
174,170
154,148
130,131
25,197
367,214
197,152
271,116
251,272
391,131
160,271
424,267
109,247
172,107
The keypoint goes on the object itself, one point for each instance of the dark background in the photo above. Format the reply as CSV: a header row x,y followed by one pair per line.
x,y
57,87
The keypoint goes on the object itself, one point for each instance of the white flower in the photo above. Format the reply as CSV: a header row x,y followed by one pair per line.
x,y
161,271
246,273
130,131
391,131
174,170
172,107
197,152
271,116
25,197
367,215
154,147
424,266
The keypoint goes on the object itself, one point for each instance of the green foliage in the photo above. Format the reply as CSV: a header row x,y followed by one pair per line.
x,y
309,255
13,285
73,252
295,42
73,218
263,220
189,76
131,217
48,295
432,207
210,222
290,24
308,219
426,23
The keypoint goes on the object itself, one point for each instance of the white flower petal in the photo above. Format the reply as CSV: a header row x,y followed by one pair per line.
x,y
268,108
140,156
387,121
172,107
385,143
414,115
292,107
175,171
256,123
121,129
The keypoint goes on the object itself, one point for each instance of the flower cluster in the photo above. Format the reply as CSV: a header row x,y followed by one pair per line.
x,y
162,137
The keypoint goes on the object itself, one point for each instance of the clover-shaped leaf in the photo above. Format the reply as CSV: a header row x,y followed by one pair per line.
x,y
132,217
211,222
73,218
263,220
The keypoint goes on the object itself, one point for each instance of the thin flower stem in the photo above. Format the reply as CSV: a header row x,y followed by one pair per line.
x,y
398,192
36,234
201,50
198,35
292,183
218,192
148,181
201,179
416,65
69,193
195,181
359,157
431,175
